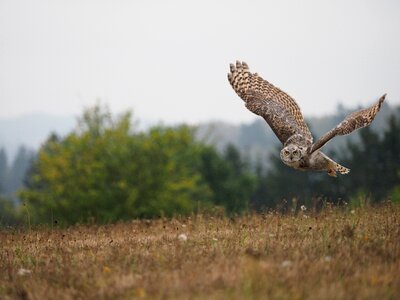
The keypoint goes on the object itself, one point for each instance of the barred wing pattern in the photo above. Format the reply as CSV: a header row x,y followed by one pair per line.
x,y
264,99
356,120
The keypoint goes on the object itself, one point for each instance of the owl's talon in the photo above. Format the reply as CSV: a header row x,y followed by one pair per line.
x,y
332,173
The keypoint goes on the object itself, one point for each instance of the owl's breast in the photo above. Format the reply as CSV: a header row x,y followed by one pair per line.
x,y
304,164
294,164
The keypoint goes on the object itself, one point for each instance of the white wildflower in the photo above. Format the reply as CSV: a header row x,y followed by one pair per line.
x,y
22,272
303,208
182,237
286,264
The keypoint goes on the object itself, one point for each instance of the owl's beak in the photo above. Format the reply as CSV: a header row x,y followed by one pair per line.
x,y
291,157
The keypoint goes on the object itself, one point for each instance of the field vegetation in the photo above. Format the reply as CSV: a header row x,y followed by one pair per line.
x,y
336,253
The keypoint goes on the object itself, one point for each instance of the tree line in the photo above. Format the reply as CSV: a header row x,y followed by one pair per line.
x,y
106,170
11,179
12,175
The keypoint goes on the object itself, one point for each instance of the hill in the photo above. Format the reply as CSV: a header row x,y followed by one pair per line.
x,y
31,131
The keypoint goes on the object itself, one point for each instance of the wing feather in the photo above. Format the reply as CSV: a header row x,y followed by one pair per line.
x,y
278,109
356,120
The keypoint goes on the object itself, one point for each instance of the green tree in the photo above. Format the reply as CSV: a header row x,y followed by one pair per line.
x,y
228,177
106,172
375,162
14,179
169,180
8,213
3,170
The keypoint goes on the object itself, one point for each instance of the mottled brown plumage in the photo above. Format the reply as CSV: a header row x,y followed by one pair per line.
x,y
283,115
261,97
358,119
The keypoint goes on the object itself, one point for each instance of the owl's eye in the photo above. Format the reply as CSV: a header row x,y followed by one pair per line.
x,y
286,152
295,152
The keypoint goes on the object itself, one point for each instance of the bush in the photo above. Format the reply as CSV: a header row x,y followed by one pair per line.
x,y
104,171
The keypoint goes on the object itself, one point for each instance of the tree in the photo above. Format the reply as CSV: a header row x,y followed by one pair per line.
x,y
169,179
228,177
3,170
375,161
8,213
16,173
105,171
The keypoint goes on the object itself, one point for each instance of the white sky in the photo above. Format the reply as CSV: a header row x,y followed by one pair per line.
x,y
167,60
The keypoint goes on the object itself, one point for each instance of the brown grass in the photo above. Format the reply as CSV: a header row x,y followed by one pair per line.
x,y
332,255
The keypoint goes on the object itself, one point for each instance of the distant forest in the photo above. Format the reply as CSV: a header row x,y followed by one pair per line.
x,y
12,174
105,170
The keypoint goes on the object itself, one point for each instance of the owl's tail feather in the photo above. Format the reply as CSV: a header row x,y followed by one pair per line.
x,y
337,168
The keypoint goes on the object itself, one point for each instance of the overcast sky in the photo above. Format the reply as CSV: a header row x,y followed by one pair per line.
x,y
167,60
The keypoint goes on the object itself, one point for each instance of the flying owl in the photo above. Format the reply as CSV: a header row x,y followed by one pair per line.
x,y
283,115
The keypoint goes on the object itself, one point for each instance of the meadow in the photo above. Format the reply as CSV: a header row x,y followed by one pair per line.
x,y
338,253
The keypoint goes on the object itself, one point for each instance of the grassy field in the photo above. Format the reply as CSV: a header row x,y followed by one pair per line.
x,y
335,254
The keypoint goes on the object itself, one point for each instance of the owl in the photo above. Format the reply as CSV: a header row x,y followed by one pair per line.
x,y
283,115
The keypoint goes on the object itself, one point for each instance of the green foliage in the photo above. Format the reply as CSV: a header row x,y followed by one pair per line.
x,y
375,161
12,176
228,177
394,194
3,170
8,213
169,181
104,171
359,199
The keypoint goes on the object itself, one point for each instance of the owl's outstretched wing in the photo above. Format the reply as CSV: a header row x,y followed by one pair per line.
x,y
356,120
264,99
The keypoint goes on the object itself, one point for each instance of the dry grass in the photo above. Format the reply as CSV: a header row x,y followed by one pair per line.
x,y
333,255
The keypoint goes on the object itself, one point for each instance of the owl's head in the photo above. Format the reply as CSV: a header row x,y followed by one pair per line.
x,y
292,154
